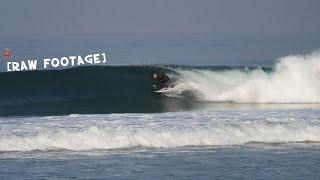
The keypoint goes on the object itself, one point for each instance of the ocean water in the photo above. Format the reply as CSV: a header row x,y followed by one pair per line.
x,y
242,107
266,143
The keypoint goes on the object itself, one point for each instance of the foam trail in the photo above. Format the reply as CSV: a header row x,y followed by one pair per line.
x,y
295,79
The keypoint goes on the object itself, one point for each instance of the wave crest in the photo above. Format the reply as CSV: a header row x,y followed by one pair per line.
x,y
294,79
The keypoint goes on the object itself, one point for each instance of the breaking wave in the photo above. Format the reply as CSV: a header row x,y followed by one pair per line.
x,y
128,89
173,130
294,79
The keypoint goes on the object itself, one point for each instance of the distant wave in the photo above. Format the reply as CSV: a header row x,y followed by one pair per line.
x,y
121,89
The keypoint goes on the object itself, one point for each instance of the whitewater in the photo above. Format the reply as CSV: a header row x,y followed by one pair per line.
x,y
159,130
293,79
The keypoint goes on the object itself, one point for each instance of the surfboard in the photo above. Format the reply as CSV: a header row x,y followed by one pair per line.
x,y
163,90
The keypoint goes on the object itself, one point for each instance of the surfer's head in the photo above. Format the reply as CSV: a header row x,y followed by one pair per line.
x,y
155,75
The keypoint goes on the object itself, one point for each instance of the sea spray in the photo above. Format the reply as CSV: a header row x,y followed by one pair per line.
x,y
294,79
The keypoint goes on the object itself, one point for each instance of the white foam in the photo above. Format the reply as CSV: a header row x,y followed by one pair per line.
x,y
296,79
162,131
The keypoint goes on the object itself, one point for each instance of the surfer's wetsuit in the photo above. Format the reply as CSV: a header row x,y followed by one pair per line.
x,y
160,81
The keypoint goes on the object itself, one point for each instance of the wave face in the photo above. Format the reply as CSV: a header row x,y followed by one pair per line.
x,y
294,79
128,89
159,130
96,89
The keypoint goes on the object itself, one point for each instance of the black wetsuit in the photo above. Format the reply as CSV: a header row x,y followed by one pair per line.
x,y
161,81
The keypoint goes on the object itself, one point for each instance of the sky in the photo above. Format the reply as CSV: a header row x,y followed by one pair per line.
x,y
65,17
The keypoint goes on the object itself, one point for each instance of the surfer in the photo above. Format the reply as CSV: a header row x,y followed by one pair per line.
x,y
160,81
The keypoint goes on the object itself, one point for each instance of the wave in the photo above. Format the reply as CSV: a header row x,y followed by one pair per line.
x,y
95,89
125,89
294,79
103,132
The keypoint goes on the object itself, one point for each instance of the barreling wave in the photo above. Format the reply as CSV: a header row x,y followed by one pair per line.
x,y
125,89
94,89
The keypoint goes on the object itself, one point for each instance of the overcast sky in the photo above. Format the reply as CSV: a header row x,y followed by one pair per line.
x,y
63,17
